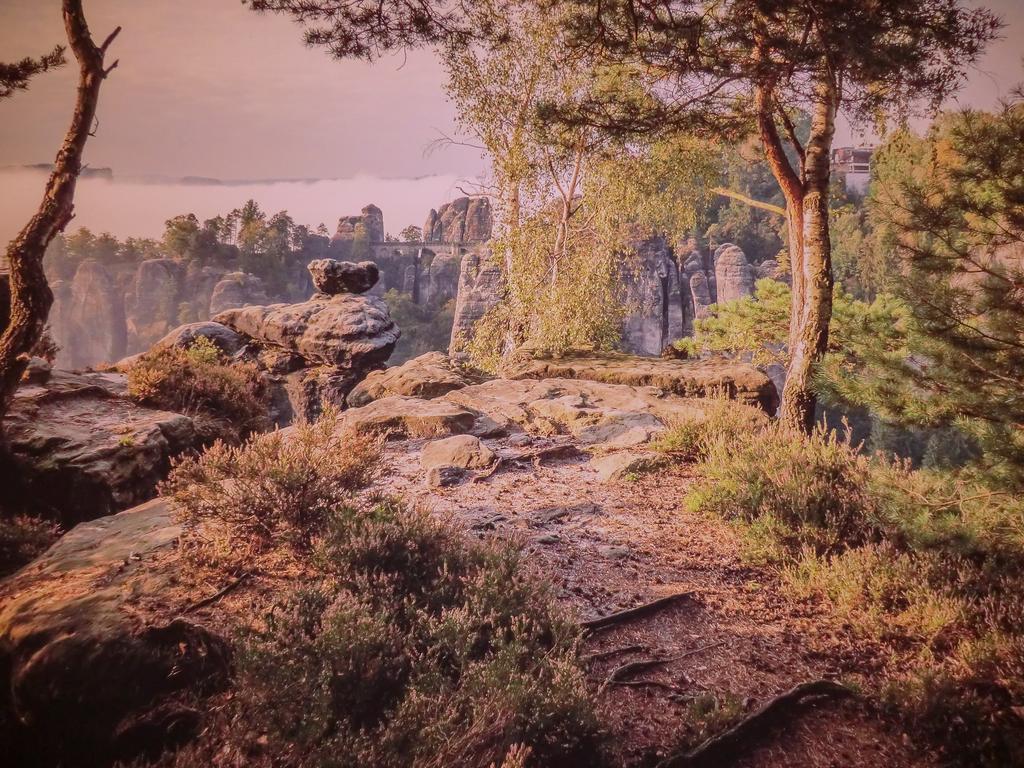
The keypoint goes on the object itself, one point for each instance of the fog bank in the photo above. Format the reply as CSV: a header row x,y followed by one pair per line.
x,y
139,207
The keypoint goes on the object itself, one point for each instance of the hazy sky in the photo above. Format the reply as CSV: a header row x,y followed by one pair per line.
x,y
209,88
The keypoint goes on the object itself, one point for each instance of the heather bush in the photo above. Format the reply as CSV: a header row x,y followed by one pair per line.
x,y
413,647
928,565
227,400
278,485
815,488
22,538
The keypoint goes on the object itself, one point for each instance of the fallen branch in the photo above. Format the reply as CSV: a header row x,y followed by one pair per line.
x,y
552,452
724,747
216,595
621,617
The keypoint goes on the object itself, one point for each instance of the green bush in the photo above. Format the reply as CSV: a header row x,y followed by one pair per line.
x,y
414,647
278,485
928,565
198,381
815,488
22,538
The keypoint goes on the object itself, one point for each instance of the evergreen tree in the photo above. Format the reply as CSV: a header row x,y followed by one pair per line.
x,y
958,220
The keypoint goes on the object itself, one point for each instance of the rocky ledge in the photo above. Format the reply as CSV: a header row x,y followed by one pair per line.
x,y
81,449
687,378
93,648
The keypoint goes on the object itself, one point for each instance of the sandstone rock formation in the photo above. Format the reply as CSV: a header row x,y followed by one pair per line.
x,y
345,331
480,287
88,679
93,317
83,450
234,290
464,220
333,277
687,378
733,274
151,302
427,376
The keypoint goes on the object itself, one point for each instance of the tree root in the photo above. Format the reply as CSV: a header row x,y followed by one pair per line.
x,y
630,668
717,750
590,658
621,617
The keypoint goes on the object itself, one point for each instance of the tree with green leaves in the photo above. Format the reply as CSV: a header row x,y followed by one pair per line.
x,y
30,294
730,67
953,201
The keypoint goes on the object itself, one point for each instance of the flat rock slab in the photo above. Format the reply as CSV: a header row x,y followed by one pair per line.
x,y
87,676
593,412
686,378
427,376
408,417
83,450
346,331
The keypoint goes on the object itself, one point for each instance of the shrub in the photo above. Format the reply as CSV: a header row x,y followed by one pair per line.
x,y
689,439
815,488
22,538
929,565
198,381
282,484
415,647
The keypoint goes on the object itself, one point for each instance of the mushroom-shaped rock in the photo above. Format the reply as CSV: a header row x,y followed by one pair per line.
x,y
350,332
333,277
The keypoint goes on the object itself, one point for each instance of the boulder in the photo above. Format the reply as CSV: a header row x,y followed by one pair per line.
x,y
345,331
332,277
88,679
687,378
408,417
182,337
614,467
427,376
83,450
464,451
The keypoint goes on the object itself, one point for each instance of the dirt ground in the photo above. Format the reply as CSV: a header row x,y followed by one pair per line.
x,y
735,643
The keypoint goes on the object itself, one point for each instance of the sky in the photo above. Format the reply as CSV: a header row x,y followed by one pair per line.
x,y
209,88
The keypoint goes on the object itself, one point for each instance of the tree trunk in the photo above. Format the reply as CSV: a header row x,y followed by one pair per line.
x,y
31,297
809,335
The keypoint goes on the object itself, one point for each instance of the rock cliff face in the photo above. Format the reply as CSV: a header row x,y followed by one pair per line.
x,y
480,287
93,315
465,221
106,312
